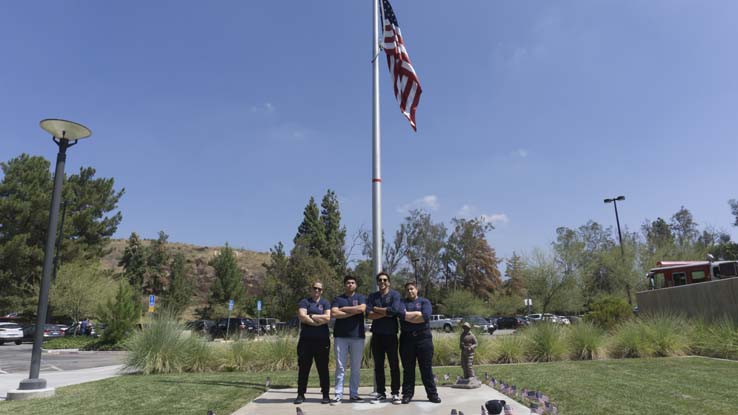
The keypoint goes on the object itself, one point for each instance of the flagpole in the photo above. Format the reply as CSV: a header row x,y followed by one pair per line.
x,y
376,152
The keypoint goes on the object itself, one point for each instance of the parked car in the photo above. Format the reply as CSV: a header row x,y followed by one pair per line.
x,y
237,327
481,324
508,322
268,325
51,331
441,322
75,329
11,332
200,326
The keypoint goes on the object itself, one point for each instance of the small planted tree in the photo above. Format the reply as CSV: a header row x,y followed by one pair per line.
x,y
120,314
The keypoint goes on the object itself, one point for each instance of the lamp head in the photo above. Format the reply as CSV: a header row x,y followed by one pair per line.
x,y
66,130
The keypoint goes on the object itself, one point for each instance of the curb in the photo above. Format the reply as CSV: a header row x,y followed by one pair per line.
x,y
60,351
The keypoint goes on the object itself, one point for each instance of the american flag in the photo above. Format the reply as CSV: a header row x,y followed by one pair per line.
x,y
405,81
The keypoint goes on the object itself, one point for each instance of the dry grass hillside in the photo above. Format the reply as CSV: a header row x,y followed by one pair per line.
x,y
250,262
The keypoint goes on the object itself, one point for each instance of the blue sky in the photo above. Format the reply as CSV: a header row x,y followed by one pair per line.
x,y
221,119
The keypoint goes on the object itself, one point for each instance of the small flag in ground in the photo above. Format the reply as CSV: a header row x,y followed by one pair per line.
x,y
268,382
405,81
446,377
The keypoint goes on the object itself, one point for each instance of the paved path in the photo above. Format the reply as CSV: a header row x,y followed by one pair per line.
x,y
279,402
17,359
57,379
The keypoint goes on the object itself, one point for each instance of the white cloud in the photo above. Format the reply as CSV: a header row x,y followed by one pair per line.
x,y
429,202
523,153
470,211
265,108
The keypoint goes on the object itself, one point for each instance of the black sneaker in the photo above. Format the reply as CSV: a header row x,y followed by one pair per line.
x,y
300,399
356,399
379,398
326,399
435,399
406,399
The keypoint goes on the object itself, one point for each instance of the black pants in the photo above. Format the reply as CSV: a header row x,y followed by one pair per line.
x,y
418,348
308,350
386,344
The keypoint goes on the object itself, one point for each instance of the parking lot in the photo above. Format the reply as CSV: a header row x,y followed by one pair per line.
x,y
17,359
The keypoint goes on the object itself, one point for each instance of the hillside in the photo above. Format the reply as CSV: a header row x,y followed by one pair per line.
x,y
250,262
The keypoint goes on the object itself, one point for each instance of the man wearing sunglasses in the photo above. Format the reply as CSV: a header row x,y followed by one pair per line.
x,y
379,307
348,337
314,313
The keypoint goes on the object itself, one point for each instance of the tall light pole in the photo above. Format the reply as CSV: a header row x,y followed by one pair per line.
x,y
65,134
620,237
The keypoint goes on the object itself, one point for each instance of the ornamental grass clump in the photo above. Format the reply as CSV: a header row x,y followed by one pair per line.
x,y
161,347
716,339
586,341
544,342
668,334
446,349
630,340
509,349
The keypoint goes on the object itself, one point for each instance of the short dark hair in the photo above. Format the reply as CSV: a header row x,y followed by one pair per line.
x,y
385,274
411,283
350,278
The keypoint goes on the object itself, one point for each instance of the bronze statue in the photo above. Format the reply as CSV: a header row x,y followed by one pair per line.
x,y
467,344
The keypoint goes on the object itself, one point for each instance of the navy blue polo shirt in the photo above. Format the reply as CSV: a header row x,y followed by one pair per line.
x,y
419,304
384,325
314,307
351,326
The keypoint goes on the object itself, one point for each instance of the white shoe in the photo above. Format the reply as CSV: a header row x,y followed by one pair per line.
x,y
396,399
336,401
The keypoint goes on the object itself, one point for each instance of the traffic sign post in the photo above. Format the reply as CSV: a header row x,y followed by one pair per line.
x,y
258,316
529,303
228,322
152,303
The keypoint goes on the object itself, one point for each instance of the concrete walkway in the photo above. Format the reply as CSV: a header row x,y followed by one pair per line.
x,y
56,379
469,401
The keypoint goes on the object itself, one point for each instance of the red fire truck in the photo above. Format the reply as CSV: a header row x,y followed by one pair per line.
x,y
676,273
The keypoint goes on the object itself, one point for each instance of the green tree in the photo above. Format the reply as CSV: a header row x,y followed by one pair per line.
x,y
157,261
311,232
277,296
181,286
425,242
514,271
133,262
463,303
228,284
334,250
25,192
549,286
80,289
684,227
474,262
120,314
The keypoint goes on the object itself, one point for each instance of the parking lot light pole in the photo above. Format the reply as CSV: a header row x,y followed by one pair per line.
x,y
65,134
620,238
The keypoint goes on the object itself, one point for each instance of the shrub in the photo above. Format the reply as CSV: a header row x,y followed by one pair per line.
x,y
69,342
446,350
718,339
120,314
630,339
668,333
544,342
586,341
608,311
161,347
509,349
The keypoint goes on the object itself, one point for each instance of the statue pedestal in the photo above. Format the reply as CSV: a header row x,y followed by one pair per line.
x,y
470,383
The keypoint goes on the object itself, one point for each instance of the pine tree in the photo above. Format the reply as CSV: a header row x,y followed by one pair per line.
x,y
515,285
120,314
278,296
181,286
227,285
335,235
134,262
156,264
311,232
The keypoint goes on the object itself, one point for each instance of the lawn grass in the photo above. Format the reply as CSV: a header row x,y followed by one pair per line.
x,y
657,386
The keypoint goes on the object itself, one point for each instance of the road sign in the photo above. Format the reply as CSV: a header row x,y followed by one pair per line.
x,y
151,308
258,305
230,305
152,300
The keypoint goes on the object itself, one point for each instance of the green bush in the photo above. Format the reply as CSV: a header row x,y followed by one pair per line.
x,y
508,349
120,315
162,347
669,334
69,342
718,339
544,342
609,311
586,341
630,339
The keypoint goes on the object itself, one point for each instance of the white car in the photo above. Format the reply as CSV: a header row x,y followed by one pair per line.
x,y
11,332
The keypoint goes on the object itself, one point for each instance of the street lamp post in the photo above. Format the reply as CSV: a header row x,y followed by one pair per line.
x,y
65,134
614,201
